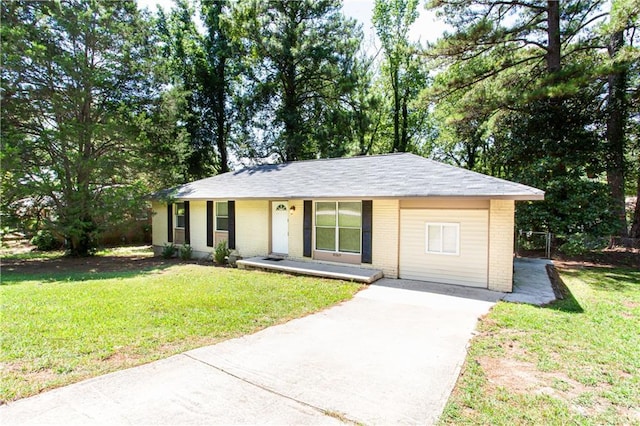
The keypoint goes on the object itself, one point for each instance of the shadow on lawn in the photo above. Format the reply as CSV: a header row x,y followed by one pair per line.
x,y
81,269
565,301
619,280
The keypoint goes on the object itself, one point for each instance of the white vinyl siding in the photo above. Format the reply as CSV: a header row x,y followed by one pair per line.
x,y
468,267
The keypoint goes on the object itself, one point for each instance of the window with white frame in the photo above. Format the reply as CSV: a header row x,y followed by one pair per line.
x,y
180,218
222,216
339,226
442,238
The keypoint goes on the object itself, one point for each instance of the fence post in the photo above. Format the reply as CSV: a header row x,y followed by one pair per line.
x,y
548,245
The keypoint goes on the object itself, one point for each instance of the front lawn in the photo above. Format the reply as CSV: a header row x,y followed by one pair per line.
x,y
61,327
576,361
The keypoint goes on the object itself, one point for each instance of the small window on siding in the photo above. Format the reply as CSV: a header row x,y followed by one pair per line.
x,y
179,215
442,238
222,216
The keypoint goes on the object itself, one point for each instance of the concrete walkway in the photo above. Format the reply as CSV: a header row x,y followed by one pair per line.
x,y
531,283
391,355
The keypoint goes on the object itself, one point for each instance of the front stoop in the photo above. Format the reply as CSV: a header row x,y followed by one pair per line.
x,y
323,270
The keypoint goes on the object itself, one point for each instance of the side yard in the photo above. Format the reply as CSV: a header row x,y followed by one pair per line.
x,y
62,324
576,361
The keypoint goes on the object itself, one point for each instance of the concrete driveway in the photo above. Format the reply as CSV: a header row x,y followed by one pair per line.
x,y
390,355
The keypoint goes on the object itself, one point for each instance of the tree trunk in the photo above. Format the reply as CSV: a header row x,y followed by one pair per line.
x,y
616,114
218,53
396,110
221,125
404,133
555,104
290,114
635,224
553,36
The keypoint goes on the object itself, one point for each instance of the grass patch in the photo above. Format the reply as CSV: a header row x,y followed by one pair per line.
x,y
575,361
30,255
65,328
122,251
126,251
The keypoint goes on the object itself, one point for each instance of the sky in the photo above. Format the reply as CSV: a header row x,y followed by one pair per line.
x,y
426,28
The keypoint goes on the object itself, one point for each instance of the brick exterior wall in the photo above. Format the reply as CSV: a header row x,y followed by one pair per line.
x,y
252,227
501,222
384,238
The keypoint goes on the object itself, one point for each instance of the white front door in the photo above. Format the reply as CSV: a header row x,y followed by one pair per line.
x,y
280,227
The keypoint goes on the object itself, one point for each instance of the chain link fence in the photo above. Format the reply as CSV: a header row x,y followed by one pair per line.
x,y
533,244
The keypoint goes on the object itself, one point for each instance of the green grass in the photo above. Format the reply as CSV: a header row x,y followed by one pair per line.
x,y
123,251
66,327
576,361
126,251
31,255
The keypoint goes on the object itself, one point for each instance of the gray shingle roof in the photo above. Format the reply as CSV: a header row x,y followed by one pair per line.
x,y
381,176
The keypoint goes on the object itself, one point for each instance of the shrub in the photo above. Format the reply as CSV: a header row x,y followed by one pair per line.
x,y
221,253
571,206
44,240
580,243
169,250
185,252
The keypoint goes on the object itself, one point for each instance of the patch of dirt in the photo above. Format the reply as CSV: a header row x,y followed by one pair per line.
x,y
524,378
93,264
519,376
625,257
613,257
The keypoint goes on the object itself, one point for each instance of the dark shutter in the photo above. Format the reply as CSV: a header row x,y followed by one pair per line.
x,y
306,230
170,222
187,229
367,207
231,238
209,223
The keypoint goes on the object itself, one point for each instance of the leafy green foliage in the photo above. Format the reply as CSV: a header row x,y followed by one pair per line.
x,y
203,66
403,72
527,92
185,252
297,60
75,75
221,253
45,240
169,250
581,243
571,206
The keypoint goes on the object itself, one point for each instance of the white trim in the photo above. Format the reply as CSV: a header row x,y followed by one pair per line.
x,y
175,215
441,225
215,216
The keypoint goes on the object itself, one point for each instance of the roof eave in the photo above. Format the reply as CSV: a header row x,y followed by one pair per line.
x,y
515,197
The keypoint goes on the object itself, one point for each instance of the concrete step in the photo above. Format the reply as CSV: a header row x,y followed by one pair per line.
x,y
323,270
